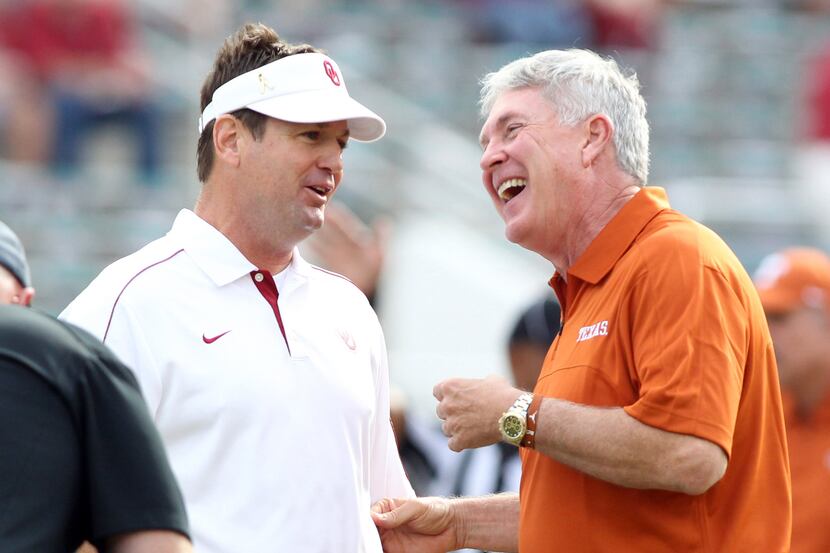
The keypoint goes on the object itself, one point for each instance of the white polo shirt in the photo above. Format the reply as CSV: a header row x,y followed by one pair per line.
x,y
274,451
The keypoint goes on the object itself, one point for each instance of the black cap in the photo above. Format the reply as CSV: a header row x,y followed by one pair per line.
x,y
538,324
12,255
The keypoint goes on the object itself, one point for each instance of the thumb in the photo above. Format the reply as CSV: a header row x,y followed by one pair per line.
x,y
387,513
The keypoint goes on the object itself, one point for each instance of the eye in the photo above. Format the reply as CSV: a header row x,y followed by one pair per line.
x,y
344,143
512,129
312,135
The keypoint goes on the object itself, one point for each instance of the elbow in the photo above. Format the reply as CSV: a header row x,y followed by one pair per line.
x,y
698,467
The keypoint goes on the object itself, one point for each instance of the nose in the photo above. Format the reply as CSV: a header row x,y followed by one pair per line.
x,y
331,160
492,156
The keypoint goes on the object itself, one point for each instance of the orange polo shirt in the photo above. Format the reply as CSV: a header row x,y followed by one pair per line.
x,y
660,318
809,443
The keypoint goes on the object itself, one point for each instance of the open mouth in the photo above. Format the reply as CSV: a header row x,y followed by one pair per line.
x,y
510,188
319,190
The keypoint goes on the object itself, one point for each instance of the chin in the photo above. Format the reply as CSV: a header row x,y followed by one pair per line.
x,y
315,220
515,233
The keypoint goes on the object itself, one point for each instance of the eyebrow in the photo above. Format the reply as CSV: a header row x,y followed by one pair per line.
x,y
345,134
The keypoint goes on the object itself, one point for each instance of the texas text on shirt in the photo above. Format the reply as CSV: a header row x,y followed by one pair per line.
x,y
312,425
690,364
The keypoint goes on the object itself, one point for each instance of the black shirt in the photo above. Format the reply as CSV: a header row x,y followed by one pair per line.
x,y
80,458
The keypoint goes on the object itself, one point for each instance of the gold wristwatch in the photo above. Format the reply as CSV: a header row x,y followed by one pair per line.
x,y
513,422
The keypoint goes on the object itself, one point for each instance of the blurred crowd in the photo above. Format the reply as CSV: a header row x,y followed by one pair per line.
x,y
71,68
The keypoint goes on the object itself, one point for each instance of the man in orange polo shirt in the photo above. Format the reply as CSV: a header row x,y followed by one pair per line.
x,y
656,424
795,290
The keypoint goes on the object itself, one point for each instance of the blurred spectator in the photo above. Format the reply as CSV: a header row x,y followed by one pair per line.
x,y
794,286
498,468
50,375
82,53
552,23
818,95
432,467
79,456
624,23
15,281
346,245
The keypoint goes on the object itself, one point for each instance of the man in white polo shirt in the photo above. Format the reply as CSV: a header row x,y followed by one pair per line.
x,y
266,376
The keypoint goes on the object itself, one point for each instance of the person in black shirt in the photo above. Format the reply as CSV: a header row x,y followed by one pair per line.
x,y
79,456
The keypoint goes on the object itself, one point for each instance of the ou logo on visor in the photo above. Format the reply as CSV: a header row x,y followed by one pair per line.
x,y
331,72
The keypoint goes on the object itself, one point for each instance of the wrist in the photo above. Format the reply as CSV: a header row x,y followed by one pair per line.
x,y
459,523
529,439
513,422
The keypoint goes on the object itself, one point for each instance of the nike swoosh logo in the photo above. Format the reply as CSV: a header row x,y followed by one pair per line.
x,y
211,340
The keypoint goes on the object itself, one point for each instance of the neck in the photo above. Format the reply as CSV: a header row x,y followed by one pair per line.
x,y
594,218
228,217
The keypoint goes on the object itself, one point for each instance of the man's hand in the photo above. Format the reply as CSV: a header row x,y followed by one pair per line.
x,y
425,525
347,246
471,408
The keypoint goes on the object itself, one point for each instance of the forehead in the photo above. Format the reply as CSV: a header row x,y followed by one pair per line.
x,y
519,103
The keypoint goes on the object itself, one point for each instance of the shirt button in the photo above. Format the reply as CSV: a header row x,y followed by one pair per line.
x,y
258,277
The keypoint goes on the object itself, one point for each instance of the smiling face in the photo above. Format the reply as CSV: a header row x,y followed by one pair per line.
x,y
289,175
531,168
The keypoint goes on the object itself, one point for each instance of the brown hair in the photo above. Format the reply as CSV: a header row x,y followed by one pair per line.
x,y
252,46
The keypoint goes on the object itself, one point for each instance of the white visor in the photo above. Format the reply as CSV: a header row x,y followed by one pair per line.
x,y
303,88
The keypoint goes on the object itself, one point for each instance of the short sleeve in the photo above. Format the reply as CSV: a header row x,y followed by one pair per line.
x,y
130,485
689,341
113,323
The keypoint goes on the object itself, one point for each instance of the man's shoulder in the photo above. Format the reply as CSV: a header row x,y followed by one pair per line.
x,y
335,283
152,257
121,279
672,235
675,244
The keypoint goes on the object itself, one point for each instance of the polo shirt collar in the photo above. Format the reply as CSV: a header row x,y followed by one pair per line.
x,y
217,256
615,238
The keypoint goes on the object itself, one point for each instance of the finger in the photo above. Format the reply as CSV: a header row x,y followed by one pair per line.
x,y
438,391
440,411
407,511
445,429
383,506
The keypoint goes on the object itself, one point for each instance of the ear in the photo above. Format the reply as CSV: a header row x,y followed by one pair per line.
x,y
226,135
599,131
26,296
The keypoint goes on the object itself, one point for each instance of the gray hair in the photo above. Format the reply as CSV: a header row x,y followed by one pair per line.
x,y
580,83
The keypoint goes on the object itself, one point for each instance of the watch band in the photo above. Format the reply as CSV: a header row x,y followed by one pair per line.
x,y
529,439
516,412
522,403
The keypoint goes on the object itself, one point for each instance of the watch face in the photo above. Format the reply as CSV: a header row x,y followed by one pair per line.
x,y
513,426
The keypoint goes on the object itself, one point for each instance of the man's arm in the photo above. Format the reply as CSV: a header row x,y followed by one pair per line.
x,y
150,541
436,524
611,445
606,443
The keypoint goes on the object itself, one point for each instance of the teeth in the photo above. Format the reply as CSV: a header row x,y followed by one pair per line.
x,y
510,188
